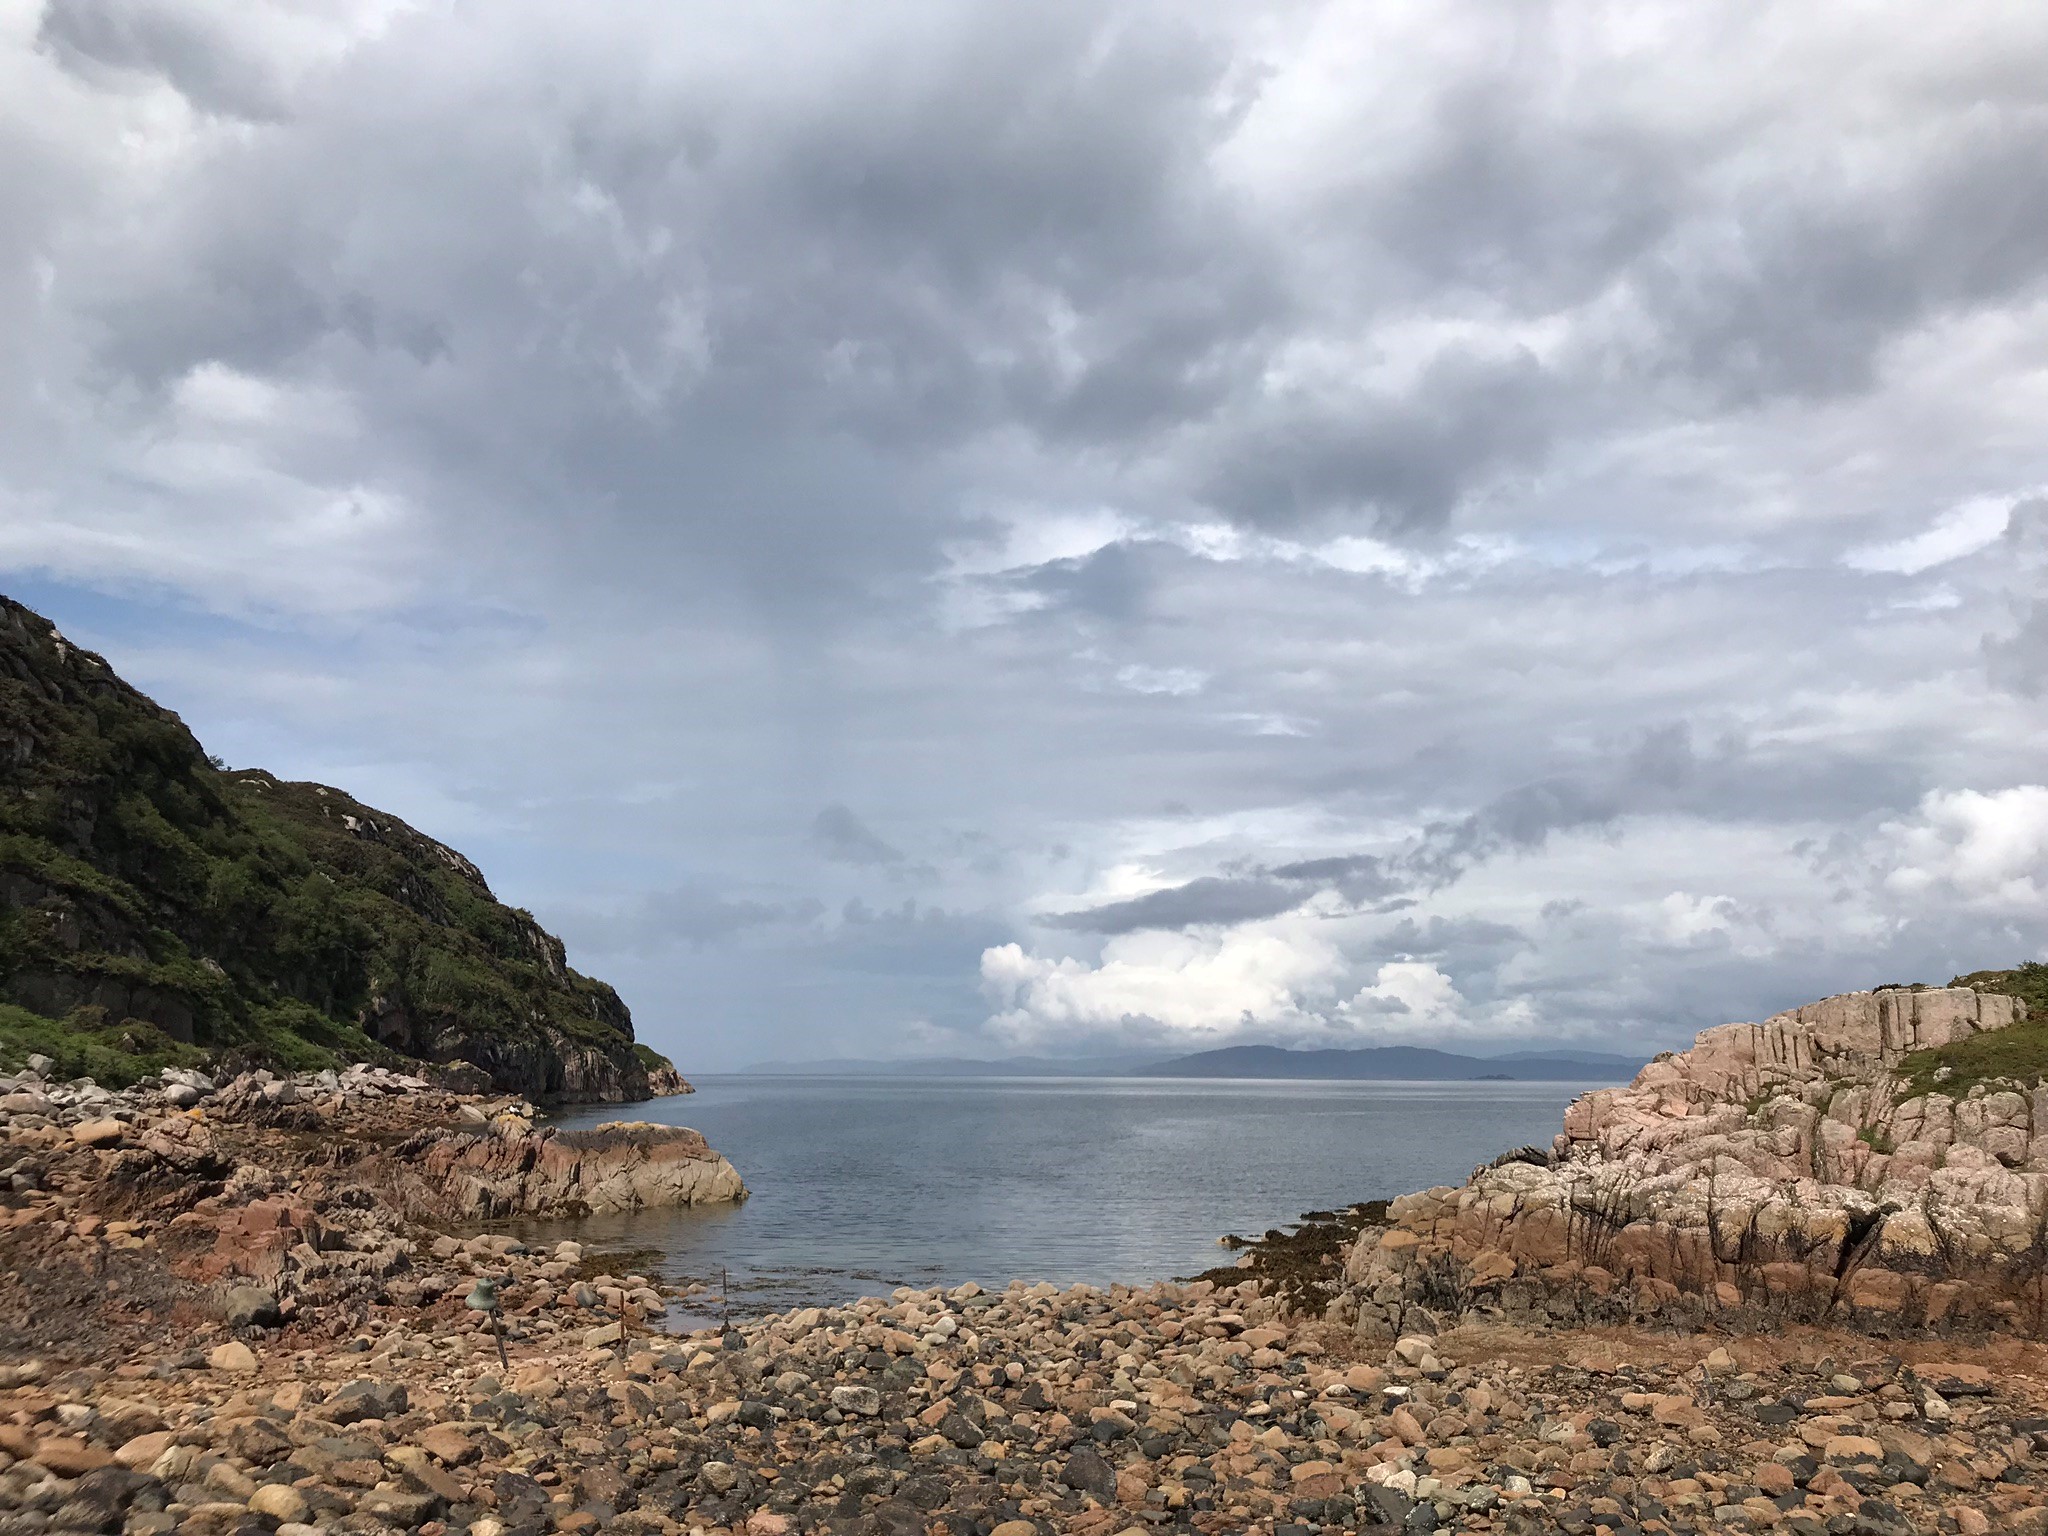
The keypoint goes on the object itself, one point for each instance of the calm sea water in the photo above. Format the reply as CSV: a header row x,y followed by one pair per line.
x,y
863,1184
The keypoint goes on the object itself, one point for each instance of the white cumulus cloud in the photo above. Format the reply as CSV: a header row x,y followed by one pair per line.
x,y
1156,985
1408,997
1985,849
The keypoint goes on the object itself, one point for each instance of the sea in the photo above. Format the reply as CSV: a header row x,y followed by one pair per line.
x,y
859,1185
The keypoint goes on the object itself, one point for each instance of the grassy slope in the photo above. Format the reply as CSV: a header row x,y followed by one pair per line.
x,y
114,1057
2018,1053
151,898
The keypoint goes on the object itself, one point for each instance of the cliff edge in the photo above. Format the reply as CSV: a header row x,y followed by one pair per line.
x,y
1829,1164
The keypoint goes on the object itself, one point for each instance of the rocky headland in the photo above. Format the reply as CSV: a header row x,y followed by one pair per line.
x,y
158,908
1825,1165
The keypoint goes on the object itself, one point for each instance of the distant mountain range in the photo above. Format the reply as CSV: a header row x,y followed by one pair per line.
x,y
1397,1063
1387,1064
951,1066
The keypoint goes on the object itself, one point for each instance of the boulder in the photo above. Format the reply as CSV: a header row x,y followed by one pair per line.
x,y
233,1357
364,1398
250,1306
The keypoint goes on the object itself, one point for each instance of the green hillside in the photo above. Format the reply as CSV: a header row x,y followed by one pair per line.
x,y
156,906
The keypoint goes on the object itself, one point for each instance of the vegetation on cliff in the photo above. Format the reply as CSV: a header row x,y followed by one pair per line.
x,y
158,907
2017,1053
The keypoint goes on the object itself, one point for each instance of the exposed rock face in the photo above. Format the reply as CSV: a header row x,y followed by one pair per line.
x,y
513,1170
666,1082
1779,1167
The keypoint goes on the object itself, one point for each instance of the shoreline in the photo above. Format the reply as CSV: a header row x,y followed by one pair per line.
x,y
249,1310
1025,1412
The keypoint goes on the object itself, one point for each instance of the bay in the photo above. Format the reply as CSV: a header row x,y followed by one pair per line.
x,y
860,1185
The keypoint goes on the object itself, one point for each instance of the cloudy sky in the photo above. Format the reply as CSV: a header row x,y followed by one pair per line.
x,y
977,528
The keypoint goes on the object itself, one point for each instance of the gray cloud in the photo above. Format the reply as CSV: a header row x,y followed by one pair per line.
x,y
1401,465
2018,659
1441,935
1661,772
204,60
844,838
1211,899
832,416
1108,584
661,921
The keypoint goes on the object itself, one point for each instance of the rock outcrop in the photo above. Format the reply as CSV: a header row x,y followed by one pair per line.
x,y
1782,1169
319,1196
511,1169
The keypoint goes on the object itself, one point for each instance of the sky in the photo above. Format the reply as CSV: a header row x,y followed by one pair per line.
x,y
978,529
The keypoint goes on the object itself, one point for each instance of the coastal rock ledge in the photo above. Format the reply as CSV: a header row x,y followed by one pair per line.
x,y
515,1170
1787,1170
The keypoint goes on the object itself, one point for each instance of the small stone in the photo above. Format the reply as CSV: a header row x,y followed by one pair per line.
x,y
1414,1349
98,1133
281,1502
69,1457
865,1401
1677,1411
718,1476
234,1357
365,1399
1088,1473
1858,1449
140,1453
451,1445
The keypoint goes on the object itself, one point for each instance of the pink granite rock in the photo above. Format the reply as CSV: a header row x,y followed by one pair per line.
x,y
1780,1166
